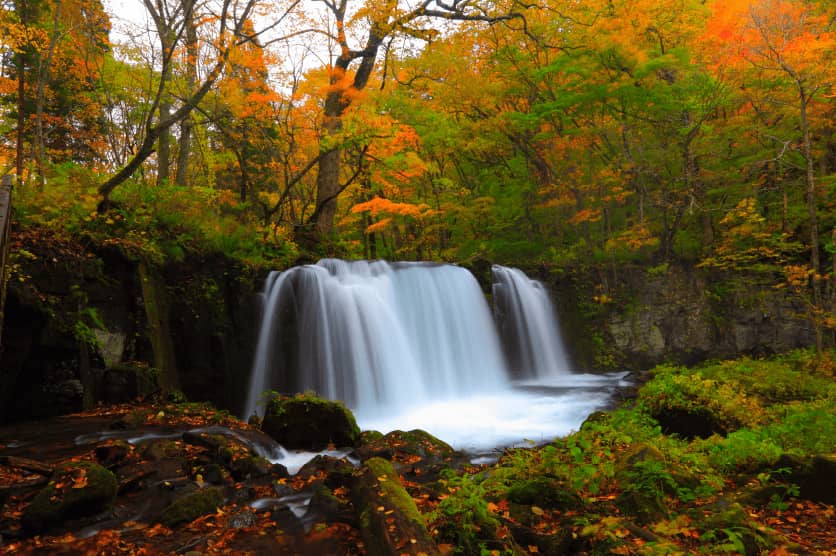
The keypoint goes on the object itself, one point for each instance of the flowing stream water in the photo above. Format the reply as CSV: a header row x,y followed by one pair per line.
x,y
415,345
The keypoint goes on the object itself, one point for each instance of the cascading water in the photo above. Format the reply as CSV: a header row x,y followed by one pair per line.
x,y
528,327
414,345
376,335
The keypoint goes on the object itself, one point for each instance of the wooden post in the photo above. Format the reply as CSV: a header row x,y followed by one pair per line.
x,y
5,227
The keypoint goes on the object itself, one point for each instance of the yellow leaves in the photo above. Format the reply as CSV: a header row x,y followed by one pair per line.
x,y
79,478
379,205
586,215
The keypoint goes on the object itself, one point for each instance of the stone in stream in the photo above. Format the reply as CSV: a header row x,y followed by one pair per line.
x,y
75,490
309,423
191,506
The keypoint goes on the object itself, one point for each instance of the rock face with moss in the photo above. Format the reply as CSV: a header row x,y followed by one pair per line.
x,y
74,490
309,423
192,506
389,519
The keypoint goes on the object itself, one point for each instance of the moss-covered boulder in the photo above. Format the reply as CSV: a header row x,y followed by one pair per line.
x,y
390,522
192,506
309,423
74,490
544,493
727,518
815,476
403,444
250,467
335,472
643,478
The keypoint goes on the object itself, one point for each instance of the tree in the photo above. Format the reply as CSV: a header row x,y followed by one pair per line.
x,y
171,22
53,50
378,23
792,39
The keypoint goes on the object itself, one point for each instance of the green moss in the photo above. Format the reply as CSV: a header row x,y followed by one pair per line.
x,y
311,423
192,506
59,500
367,437
545,493
419,443
393,490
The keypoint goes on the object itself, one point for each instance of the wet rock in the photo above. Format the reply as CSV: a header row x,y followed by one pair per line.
x,y
406,446
249,467
217,445
113,452
191,506
335,472
390,522
156,450
212,473
309,423
241,520
75,490
325,506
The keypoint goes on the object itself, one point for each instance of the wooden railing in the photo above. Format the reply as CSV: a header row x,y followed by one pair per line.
x,y
5,225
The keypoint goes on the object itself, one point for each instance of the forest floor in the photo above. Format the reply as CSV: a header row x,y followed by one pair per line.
x,y
621,485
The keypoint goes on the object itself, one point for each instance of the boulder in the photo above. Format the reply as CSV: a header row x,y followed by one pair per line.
x,y
249,467
544,493
75,490
192,506
309,423
402,444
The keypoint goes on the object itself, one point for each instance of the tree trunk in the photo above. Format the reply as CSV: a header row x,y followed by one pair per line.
x,y
184,146
40,97
811,185
164,145
327,188
156,311
21,114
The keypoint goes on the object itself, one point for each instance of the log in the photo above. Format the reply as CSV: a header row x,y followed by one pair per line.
x,y
390,522
26,464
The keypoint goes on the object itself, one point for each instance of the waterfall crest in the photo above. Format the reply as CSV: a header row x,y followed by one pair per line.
x,y
376,335
383,336
528,326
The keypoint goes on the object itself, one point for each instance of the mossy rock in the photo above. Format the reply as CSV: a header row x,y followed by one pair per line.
x,y
815,476
367,437
728,518
325,506
544,493
643,478
250,466
410,443
646,507
156,450
309,423
192,506
336,471
418,442
596,418
63,499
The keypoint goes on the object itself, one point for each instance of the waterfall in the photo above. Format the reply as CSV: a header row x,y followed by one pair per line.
x,y
383,336
528,327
